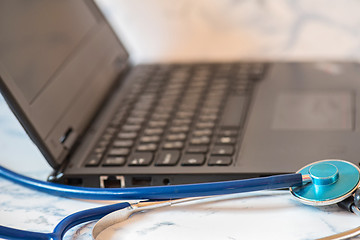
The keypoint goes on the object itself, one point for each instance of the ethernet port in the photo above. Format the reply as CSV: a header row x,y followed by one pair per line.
x,y
112,181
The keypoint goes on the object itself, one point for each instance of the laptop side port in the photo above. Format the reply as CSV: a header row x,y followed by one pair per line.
x,y
74,181
112,181
141,181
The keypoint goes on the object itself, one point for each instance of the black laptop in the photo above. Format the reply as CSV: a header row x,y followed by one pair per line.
x,y
102,121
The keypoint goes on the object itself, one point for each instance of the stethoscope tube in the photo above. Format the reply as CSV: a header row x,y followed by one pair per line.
x,y
304,184
139,193
158,192
85,216
16,234
64,225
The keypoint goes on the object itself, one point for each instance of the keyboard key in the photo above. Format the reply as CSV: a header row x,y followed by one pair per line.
x,y
193,160
110,130
202,132
214,105
114,161
99,149
141,159
226,140
147,147
135,120
164,109
205,124
149,139
220,161
117,119
107,136
176,137
184,115
138,114
131,128
209,110
186,107
173,145
209,117
160,116
222,150
153,131
142,107
94,160
178,129
228,132
197,149
157,124
183,121
123,143
103,143
168,158
200,140
119,152
127,135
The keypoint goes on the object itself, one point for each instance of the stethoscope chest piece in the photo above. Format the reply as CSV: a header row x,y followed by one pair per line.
x,y
331,182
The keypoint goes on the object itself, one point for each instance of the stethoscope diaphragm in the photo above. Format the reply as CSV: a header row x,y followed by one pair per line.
x,y
332,181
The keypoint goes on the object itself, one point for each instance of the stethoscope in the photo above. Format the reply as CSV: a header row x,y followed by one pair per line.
x,y
320,183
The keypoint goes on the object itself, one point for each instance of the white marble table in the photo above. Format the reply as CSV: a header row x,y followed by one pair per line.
x,y
199,30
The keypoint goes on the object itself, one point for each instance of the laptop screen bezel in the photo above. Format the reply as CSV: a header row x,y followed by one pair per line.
x,y
21,111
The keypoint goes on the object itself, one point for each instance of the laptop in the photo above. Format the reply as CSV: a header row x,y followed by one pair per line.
x,y
102,121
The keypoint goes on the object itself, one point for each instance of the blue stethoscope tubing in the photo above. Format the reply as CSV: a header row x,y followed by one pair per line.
x,y
159,192
138,193
64,225
324,174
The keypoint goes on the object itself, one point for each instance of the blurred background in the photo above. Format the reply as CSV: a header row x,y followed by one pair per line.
x,y
182,30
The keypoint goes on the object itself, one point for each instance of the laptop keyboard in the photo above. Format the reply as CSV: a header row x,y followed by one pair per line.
x,y
179,115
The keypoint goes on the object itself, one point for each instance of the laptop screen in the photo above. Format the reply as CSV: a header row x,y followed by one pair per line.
x,y
51,53
32,47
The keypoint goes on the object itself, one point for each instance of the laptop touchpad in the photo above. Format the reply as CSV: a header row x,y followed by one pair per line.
x,y
313,111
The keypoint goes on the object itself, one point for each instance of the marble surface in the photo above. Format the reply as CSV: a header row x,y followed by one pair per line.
x,y
160,30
